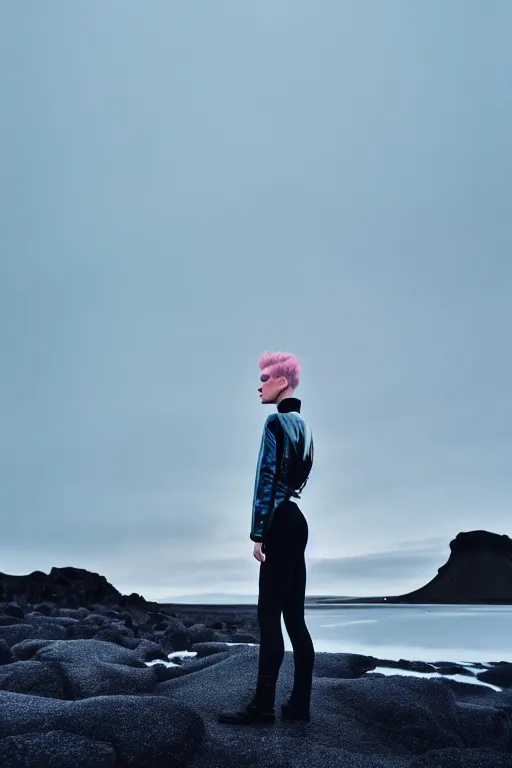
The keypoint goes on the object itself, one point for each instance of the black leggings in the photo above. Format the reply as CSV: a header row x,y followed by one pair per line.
x,y
282,589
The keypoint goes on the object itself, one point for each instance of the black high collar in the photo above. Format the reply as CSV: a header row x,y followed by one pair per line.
x,y
289,404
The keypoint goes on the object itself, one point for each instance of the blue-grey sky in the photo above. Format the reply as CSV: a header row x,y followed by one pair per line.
x,y
186,185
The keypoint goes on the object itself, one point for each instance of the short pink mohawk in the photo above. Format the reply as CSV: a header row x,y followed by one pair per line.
x,y
276,364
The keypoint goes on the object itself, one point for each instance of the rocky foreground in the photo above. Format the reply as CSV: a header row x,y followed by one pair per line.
x,y
79,687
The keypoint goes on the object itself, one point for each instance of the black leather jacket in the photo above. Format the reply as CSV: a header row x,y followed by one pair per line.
x,y
284,463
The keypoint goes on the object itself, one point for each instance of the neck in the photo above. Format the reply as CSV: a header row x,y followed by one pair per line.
x,y
288,404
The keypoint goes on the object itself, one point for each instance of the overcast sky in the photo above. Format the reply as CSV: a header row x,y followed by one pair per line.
x,y
186,185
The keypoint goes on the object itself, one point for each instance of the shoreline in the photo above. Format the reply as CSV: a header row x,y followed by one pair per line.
x,y
233,608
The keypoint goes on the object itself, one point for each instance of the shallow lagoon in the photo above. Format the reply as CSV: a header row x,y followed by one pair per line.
x,y
457,633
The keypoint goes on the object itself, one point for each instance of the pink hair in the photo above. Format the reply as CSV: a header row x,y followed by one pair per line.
x,y
276,364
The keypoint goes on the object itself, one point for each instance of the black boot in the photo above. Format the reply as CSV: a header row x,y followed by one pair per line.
x,y
290,713
297,706
261,708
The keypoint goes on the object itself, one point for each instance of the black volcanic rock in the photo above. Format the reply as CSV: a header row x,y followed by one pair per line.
x,y
73,587
479,570
78,690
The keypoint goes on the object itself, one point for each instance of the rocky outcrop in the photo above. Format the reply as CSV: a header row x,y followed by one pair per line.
x,y
68,587
479,570
71,587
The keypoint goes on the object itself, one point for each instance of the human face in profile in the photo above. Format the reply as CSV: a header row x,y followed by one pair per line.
x,y
271,388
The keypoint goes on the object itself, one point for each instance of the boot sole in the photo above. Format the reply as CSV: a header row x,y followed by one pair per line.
x,y
288,713
244,718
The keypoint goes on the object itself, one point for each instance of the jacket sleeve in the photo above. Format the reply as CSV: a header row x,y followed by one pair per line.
x,y
265,482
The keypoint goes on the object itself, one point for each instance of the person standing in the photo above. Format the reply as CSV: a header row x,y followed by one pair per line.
x,y
279,531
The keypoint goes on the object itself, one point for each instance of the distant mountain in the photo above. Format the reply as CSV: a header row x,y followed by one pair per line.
x,y
224,598
479,570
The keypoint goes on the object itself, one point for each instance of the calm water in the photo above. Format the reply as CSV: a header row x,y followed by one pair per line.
x,y
420,633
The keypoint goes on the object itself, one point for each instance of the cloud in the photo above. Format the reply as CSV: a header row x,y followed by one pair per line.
x,y
420,559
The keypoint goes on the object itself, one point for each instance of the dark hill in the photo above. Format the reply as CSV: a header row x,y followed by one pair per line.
x,y
69,587
479,570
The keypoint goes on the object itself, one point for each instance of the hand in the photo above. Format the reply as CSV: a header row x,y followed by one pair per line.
x,y
258,554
